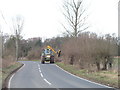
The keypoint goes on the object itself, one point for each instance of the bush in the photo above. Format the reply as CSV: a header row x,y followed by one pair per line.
x,y
89,50
34,54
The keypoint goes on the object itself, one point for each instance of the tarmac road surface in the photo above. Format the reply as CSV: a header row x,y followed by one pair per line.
x,y
36,75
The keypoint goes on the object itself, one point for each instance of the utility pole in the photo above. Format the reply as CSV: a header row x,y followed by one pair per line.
x,y
16,45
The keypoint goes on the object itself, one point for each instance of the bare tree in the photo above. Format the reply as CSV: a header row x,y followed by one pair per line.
x,y
18,22
74,14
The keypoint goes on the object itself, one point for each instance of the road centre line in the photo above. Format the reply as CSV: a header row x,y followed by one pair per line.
x,y
47,81
41,75
40,71
38,66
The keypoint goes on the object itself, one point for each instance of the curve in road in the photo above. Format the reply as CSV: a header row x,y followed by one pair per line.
x,y
37,75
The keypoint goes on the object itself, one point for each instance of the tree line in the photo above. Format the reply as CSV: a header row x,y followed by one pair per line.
x,y
85,50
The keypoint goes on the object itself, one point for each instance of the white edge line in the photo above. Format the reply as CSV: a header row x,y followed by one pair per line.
x,y
13,76
10,80
47,82
83,78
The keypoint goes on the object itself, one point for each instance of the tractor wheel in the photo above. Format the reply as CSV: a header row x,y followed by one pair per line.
x,y
52,60
43,60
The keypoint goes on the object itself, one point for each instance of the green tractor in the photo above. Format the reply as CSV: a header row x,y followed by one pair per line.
x,y
48,55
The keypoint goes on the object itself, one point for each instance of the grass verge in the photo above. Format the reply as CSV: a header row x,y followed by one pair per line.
x,y
7,71
108,78
29,60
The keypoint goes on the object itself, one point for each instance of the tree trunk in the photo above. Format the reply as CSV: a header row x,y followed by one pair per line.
x,y
71,60
98,66
76,20
105,66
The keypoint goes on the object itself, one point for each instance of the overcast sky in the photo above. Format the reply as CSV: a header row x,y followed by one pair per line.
x,y
43,17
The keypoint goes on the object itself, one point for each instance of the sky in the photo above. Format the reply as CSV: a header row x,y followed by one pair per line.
x,y
43,18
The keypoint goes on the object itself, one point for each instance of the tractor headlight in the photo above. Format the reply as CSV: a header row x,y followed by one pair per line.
x,y
48,56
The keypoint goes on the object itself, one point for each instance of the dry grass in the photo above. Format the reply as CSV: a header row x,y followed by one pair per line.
x,y
109,78
6,63
7,70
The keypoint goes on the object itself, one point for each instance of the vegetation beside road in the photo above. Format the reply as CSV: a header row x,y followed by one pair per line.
x,y
83,53
106,77
7,70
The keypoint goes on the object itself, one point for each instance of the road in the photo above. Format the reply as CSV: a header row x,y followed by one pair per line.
x,y
36,75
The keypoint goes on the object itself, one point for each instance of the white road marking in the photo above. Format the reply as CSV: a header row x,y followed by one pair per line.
x,y
47,81
38,66
41,75
10,80
40,71
83,78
